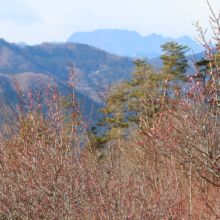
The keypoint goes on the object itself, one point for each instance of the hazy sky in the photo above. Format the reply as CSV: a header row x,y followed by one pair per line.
x,y
36,21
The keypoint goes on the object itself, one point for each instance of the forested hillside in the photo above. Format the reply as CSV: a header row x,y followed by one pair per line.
x,y
92,64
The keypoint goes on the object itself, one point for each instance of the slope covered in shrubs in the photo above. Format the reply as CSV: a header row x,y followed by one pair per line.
x,y
161,163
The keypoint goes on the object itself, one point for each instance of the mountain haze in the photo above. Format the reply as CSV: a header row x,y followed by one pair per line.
x,y
92,64
130,43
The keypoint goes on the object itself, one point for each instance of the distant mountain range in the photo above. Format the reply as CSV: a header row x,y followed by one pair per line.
x,y
130,43
92,64
22,43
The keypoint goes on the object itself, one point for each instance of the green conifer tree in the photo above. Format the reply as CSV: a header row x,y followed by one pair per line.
x,y
175,64
108,132
205,67
138,96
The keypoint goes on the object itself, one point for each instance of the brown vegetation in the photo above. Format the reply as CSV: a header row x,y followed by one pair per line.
x,y
53,167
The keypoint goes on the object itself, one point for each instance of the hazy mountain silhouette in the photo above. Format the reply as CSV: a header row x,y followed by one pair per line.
x,y
49,59
92,64
130,43
21,43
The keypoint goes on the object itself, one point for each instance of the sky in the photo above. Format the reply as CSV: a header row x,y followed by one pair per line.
x,y
37,21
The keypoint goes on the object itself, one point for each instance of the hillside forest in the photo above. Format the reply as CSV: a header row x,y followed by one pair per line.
x,y
151,151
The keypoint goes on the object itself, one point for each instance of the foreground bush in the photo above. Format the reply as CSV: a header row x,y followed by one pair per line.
x,y
51,167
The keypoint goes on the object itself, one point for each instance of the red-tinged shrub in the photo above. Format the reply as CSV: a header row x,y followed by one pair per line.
x,y
185,135
51,169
